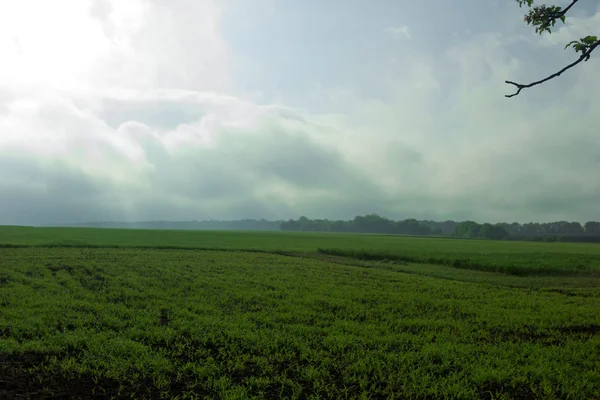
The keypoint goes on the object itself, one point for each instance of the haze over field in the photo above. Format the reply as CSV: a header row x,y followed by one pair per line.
x,y
135,110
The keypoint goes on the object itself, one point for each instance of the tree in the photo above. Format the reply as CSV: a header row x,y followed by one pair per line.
x,y
543,18
492,232
592,228
467,229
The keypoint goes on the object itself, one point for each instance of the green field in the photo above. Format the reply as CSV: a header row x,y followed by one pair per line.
x,y
237,315
517,258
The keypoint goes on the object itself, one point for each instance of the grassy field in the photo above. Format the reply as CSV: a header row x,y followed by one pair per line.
x,y
238,315
517,258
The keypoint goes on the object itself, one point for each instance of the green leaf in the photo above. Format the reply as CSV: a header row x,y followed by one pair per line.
x,y
563,18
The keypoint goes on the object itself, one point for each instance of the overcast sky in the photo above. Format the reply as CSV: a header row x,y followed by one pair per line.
x,y
200,109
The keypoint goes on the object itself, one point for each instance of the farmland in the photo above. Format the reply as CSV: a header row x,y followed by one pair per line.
x,y
238,315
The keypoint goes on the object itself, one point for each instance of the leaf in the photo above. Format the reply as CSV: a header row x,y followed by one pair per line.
x,y
563,18
569,44
589,39
528,2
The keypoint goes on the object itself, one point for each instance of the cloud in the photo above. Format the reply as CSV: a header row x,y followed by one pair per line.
x,y
136,120
575,28
231,155
84,45
398,32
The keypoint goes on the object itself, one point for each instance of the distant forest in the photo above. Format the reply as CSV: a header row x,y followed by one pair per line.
x,y
374,223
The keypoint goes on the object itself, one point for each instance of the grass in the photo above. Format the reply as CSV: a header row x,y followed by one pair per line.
x,y
517,263
517,258
107,313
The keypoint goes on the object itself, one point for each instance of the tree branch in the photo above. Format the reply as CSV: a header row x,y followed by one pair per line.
x,y
564,11
540,15
558,15
584,57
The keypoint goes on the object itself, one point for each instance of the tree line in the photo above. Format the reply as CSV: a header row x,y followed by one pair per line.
x,y
371,223
374,223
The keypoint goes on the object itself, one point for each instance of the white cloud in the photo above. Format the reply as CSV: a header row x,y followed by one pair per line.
x,y
136,119
574,28
84,45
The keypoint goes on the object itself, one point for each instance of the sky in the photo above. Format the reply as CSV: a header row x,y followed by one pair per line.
x,y
137,110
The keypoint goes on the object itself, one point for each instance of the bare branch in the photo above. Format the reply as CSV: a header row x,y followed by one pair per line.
x,y
584,57
563,12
